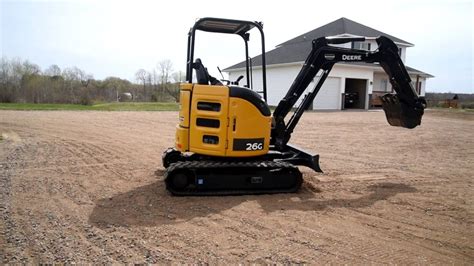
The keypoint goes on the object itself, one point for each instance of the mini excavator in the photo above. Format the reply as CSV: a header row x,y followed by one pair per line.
x,y
227,140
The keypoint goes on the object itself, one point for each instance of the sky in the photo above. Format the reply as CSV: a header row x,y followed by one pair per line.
x,y
116,38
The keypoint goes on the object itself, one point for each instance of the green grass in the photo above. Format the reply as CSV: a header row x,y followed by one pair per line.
x,y
128,106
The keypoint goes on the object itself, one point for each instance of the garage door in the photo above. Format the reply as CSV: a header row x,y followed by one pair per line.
x,y
329,96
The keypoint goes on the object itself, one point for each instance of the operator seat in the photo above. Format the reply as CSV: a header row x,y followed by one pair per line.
x,y
203,76
201,72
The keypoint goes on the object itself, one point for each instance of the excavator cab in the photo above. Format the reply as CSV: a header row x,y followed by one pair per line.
x,y
241,28
218,119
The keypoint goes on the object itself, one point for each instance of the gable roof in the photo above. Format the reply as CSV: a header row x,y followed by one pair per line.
x,y
343,26
298,48
412,70
294,52
297,53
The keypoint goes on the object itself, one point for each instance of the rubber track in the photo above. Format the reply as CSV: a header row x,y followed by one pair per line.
x,y
260,165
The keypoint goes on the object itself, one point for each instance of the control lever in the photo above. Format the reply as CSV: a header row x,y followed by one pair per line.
x,y
223,79
237,81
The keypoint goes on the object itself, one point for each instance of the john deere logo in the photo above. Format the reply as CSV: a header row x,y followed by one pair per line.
x,y
351,57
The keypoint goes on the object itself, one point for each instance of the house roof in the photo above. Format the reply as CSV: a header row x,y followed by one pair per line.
x,y
412,70
343,26
297,49
294,52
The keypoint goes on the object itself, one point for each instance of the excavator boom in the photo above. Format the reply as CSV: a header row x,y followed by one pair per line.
x,y
404,109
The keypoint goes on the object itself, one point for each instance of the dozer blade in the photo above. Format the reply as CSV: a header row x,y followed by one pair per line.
x,y
400,114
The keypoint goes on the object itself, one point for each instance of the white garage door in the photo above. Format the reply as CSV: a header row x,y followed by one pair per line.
x,y
329,96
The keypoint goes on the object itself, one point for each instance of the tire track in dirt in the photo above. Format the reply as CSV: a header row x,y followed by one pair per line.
x,y
13,239
85,191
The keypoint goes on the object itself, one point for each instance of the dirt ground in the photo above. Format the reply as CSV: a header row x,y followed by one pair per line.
x,y
88,187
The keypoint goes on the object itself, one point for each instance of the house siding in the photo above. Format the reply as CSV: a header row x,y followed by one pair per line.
x,y
378,77
280,78
374,46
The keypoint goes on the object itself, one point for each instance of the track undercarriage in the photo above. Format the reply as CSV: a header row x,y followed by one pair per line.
x,y
195,175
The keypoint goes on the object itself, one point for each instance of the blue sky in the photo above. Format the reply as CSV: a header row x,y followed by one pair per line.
x,y
116,38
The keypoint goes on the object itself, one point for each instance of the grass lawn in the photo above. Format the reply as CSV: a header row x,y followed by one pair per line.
x,y
126,106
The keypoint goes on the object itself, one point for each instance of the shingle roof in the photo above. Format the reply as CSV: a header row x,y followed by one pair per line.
x,y
297,49
294,52
412,70
341,26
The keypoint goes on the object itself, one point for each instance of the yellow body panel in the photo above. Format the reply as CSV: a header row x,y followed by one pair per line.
x,y
212,123
184,104
198,135
182,138
247,123
182,129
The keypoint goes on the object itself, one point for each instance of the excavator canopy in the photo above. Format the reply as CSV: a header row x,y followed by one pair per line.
x,y
231,26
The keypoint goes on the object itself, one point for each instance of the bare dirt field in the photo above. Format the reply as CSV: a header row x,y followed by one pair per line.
x,y
88,187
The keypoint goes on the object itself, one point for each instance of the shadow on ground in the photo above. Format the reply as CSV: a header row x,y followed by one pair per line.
x,y
152,205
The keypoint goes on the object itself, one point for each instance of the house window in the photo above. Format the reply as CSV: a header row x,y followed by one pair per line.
x,y
361,46
383,85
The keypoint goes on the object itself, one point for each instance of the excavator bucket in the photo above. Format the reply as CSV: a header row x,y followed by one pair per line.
x,y
400,114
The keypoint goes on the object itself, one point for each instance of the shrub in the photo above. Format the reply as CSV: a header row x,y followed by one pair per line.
x,y
469,105
85,100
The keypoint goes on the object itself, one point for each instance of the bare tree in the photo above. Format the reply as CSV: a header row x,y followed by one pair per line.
x,y
53,71
141,77
85,78
165,68
179,76
73,73
155,81
172,87
72,83
7,91
30,68
31,83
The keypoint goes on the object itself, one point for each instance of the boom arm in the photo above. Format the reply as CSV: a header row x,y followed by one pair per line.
x,y
403,109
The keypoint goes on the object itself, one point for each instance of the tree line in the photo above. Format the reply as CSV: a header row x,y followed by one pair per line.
x,y
446,99
24,82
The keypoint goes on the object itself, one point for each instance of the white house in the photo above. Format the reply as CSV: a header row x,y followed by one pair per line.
x,y
349,85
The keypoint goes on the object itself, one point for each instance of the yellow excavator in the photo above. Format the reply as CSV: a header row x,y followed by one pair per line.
x,y
228,142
